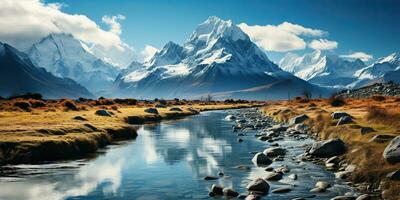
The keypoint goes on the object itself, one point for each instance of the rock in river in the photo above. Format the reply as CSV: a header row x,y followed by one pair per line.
x,y
217,190
298,119
328,148
273,176
261,159
229,192
230,117
344,198
392,151
258,185
282,190
275,151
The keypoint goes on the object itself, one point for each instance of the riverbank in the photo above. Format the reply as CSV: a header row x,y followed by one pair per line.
x,y
47,130
371,125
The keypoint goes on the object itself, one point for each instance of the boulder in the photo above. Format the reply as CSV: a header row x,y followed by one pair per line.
x,y
366,130
230,117
229,192
217,190
293,176
253,197
282,190
344,120
364,197
278,128
338,115
103,113
80,118
176,109
392,151
210,178
322,184
381,138
151,110
274,151
273,176
261,159
394,176
298,119
328,148
344,197
258,185
160,106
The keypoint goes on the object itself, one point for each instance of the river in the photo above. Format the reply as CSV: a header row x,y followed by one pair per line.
x,y
167,160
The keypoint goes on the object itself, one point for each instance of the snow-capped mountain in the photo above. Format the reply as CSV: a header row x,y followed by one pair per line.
x,y
219,59
119,57
383,70
18,75
325,69
64,56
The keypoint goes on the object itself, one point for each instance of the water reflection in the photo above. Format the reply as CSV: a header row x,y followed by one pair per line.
x,y
167,161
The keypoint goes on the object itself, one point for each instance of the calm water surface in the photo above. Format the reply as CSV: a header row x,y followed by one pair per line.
x,y
166,161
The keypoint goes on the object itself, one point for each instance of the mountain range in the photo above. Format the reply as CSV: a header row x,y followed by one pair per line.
x,y
18,75
328,69
218,59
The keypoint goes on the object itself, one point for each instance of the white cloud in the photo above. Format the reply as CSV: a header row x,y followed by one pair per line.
x,y
148,52
25,22
323,44
358,55
281,38
115,26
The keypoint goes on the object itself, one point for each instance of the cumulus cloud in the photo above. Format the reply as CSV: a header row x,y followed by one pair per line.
x,y
25,22
358,55
323,44
281,38
148,52
115,26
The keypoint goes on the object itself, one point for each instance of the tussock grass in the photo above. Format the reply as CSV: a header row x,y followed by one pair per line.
x,y
383,117
50,130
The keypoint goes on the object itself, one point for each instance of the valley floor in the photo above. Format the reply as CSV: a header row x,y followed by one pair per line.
x,y
364,148
44,130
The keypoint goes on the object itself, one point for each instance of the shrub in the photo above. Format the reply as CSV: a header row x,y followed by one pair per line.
x,y
69,105
336,101
37,104
378,98
383,116
23,105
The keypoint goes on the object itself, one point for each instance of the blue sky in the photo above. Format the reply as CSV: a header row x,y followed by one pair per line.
x,y
356,25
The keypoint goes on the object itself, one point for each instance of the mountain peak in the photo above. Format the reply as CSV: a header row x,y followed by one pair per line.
x,y
393,58
214,28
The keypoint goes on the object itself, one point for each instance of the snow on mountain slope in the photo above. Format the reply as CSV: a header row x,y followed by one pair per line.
x,y
18,75
325,69
118,57
383,70
218,57
64,56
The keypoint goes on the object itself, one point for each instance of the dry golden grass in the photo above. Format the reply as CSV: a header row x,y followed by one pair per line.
x,y
381,114
35,130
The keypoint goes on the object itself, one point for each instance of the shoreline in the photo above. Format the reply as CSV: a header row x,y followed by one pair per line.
x,y
362,163
80,133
